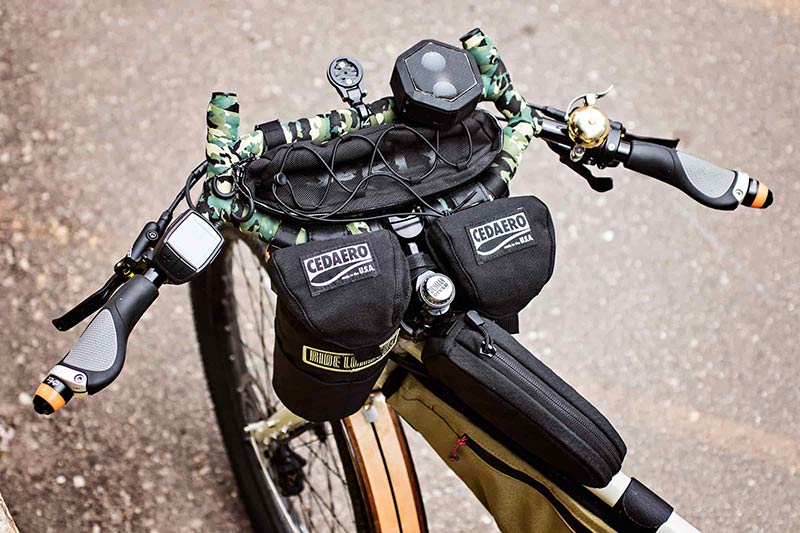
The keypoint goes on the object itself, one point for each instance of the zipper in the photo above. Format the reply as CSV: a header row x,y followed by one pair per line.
x,y
487,457
487,346
594,434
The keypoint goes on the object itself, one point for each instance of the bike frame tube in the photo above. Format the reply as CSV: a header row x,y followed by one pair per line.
x,y
283,422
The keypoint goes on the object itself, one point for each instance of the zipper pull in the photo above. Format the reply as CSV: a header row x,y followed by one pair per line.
x,y
487,346
462,440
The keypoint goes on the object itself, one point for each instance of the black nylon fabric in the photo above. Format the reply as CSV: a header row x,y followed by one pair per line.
x,y
340,302
314,392
350,157
360,313
500,253
529,404
643,507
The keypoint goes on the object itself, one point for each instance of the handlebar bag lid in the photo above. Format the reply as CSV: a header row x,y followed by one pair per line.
x,y
340,302
375,169
500,253
523,400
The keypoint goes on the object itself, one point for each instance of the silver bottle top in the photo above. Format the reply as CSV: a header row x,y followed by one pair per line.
x,y
436,291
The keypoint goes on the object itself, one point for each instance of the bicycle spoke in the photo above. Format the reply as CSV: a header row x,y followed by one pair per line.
x,y
297,446
327,467
263,374
323,507
316,494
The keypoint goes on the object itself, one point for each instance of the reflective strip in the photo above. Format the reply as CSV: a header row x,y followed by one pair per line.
x,y
612,492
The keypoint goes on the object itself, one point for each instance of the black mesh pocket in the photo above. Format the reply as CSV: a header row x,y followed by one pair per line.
x,y
499,253
375,169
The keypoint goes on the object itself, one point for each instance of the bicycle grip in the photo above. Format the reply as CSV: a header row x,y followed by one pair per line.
x,y
712,186
97,358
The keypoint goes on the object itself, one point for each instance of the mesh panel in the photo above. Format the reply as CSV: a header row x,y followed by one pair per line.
x,y
312,189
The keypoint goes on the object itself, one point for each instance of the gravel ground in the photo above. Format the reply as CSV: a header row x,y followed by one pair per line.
x,y
679,322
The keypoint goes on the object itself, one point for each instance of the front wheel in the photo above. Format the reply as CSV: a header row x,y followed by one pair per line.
x,y
318,476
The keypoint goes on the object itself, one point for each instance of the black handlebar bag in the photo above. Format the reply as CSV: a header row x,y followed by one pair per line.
x,y
340,302
376,169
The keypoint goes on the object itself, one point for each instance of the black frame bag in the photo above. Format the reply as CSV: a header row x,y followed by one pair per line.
x,y
340,302
500,381
500,253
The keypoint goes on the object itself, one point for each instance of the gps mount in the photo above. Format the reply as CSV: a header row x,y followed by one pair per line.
x,y
345,73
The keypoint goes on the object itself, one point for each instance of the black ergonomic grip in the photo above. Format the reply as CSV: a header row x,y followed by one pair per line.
x,y
100,351
712,186
97,358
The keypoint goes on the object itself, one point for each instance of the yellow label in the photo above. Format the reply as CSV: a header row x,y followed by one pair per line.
x,y
345,362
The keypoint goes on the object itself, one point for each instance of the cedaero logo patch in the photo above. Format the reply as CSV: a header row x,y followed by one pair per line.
x,y
502,234
345,362
336,267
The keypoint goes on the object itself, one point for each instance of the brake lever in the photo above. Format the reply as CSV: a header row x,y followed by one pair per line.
x,y
136,261
597,183
90,305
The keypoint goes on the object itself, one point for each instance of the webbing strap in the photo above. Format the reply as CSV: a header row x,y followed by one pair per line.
x,y
273,134
285,236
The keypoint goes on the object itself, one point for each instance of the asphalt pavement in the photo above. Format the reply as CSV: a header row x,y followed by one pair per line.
x,y
680,323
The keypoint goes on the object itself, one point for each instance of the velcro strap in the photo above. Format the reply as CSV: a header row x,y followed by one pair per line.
x,y
420,260
365,354
643,507
285,236
327,232
273,134
495,185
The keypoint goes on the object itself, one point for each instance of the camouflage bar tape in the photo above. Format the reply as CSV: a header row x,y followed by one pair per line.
x,y
336,123
522,126
222,125
224,148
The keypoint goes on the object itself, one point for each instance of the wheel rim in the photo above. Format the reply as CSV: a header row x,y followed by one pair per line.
x,y
325,502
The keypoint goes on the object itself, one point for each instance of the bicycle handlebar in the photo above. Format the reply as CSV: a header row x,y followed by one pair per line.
x,y
97,358
706,183
712,186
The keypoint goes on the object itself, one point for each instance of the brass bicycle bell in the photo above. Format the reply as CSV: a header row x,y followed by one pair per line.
x,y
587,125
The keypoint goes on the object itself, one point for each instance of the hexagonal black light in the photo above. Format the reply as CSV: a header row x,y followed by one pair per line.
x,y
435,84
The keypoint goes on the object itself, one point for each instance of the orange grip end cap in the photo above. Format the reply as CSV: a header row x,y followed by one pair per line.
x,y
47,400
763,197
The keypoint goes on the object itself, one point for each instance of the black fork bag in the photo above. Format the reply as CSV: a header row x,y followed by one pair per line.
x,y
522,399
340,302
500,253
